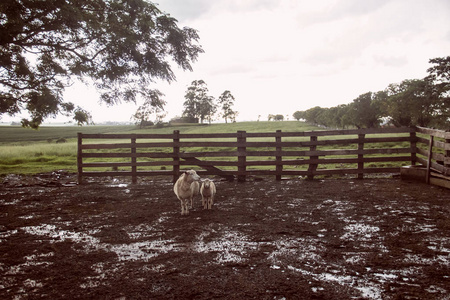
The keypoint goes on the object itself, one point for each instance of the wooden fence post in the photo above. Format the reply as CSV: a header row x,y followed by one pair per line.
x,y
80,158
133,160
447,153
242,155
430,155
312,167
278,157
413,143
361,155
176,155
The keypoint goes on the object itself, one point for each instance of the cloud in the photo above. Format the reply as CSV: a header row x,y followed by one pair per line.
x,y
185,10
292,55
190,10
391,61
233,69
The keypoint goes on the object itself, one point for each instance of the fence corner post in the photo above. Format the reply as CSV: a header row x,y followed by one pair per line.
x,y
278,157
413,145
80,157
133,160
176,155
242,155
312,166
447,153
430,156
361,138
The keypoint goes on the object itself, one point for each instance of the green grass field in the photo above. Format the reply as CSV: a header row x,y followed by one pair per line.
x,y
28,151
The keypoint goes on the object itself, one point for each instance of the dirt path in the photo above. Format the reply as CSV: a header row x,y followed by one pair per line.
x,y
332,239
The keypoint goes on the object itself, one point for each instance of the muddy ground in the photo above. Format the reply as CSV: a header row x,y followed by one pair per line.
x,y
294,239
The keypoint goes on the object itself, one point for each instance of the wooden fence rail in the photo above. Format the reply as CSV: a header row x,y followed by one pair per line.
x,y
242,154
434,151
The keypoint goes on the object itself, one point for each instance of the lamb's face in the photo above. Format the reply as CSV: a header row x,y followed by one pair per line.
x,y
206,183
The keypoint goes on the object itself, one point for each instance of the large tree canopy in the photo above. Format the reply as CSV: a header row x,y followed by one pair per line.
x,y
121,45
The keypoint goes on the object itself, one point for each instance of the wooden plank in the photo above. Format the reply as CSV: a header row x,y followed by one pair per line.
x,y
312,167
127,164
247,153
242,155
413,146
208,167
133,160
430,154
201,163
129,155
176,156
106,146
209,154
125,136
361,138
421,151
127,173
80,158
387,139
423,140
253,135
278,159
208,135
440,182
434,132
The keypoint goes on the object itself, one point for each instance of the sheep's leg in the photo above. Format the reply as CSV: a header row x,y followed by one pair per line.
x,y
210,202
182,207
192,202
186,206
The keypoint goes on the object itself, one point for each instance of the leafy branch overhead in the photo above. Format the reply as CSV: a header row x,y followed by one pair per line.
x,y
122,46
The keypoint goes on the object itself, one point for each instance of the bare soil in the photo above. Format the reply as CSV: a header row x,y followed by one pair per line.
x,y
294,239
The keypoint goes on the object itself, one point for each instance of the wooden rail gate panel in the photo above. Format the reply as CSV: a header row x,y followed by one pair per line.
x,y
433,152
242,154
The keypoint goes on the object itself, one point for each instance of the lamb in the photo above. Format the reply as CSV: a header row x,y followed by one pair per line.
x,y
208,190
187,187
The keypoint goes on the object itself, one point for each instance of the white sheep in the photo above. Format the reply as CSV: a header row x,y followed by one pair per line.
x,y
186,188
208,190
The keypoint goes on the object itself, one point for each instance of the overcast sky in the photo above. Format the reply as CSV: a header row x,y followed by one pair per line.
x,y
280,56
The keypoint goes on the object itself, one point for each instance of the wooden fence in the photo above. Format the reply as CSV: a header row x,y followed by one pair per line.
x,y
242,154
433,152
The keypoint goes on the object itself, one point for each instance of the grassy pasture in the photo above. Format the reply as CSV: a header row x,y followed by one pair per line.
x,y
27,151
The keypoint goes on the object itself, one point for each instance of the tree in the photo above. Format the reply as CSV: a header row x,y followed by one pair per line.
x,y
441,70
226,100
311,115
153,106
416,102
198,104
364,111
278,117
298,115
122,46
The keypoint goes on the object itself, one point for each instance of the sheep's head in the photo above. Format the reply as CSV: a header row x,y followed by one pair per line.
x,y
191,175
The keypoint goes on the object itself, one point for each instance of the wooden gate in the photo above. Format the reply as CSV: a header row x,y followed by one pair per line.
x,y
242,154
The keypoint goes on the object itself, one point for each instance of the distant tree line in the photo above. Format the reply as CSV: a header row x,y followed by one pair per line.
x,y
201,106
417,102
277,117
